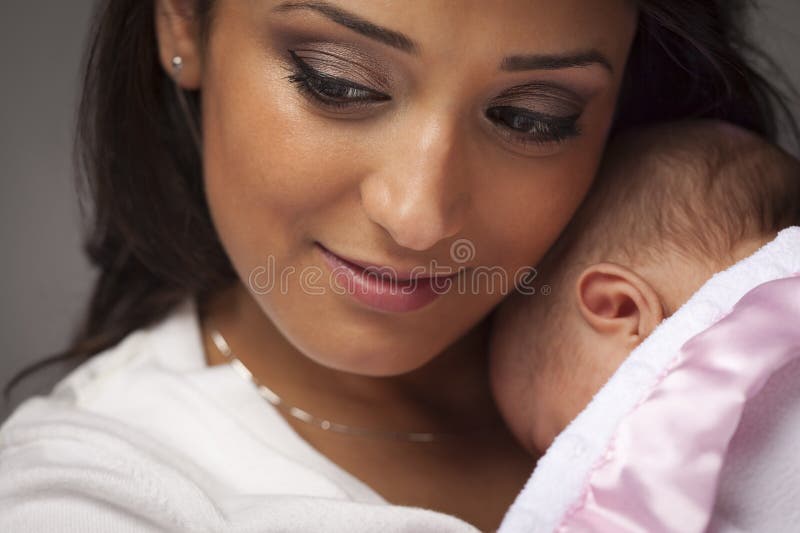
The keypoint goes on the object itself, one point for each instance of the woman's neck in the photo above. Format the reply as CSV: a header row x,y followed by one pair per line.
x,y
450,393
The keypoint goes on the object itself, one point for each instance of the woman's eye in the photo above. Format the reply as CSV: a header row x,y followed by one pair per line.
x,y
518,125
330,91
529,127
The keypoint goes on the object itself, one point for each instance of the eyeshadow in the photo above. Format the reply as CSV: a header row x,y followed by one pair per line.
x,y
556,99
343,60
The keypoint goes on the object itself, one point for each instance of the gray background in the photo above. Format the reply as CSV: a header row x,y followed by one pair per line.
x,y
45,279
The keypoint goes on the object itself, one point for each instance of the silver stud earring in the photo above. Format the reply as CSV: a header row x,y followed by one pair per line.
x,y
177,64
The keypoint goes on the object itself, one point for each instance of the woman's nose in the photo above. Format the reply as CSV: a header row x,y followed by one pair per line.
x,y
419,195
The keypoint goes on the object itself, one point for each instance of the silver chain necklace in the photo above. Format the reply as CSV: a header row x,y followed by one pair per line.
x,y
304,416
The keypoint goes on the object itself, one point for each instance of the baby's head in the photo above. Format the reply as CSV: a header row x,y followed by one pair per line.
x,y
672,205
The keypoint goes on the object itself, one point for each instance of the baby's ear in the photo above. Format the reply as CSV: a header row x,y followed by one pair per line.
x,y
615,301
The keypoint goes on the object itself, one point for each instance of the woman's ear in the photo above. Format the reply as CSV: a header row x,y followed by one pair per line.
x,y
177,32
614,301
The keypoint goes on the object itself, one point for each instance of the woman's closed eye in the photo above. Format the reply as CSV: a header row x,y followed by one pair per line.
x,y
530,127
330,91
515,124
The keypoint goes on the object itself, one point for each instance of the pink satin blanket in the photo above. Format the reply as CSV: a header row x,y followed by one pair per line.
x,y
661,470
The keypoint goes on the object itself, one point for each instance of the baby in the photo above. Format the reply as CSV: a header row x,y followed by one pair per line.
x,y
672,205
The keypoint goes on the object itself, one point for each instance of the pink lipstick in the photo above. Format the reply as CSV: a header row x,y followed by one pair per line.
x,y
383,287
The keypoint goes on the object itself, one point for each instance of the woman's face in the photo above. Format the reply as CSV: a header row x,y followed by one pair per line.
x,y
430,137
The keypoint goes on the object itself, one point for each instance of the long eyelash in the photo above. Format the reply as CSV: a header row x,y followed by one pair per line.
x,y
556,130
303,83
547,129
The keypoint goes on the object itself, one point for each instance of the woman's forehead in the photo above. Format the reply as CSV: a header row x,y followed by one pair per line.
x,y
451,28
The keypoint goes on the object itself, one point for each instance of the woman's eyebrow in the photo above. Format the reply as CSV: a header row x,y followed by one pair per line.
x,y
404,43
555,61
354,22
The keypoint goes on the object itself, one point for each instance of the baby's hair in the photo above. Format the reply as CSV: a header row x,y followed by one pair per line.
x,y
693,188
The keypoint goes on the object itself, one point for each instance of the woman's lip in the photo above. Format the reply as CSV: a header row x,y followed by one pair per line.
x,y
381,293
398,274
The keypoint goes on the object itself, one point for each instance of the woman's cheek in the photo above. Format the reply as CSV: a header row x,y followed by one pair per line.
x,y
537,204
539,195
272,168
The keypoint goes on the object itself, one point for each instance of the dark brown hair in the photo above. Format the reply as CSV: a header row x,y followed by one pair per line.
x,y
149,233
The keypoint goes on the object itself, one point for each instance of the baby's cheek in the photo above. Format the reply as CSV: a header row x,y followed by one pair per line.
x,y
513,392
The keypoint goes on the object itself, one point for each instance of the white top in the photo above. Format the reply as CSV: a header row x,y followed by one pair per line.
x,y
146,437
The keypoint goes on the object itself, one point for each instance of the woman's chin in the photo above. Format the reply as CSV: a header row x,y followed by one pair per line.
x,y
379,358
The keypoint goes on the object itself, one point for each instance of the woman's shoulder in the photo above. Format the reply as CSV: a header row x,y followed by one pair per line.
x,y
76,454
63,467
136,395
172,344
127,380
113,380
153,392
